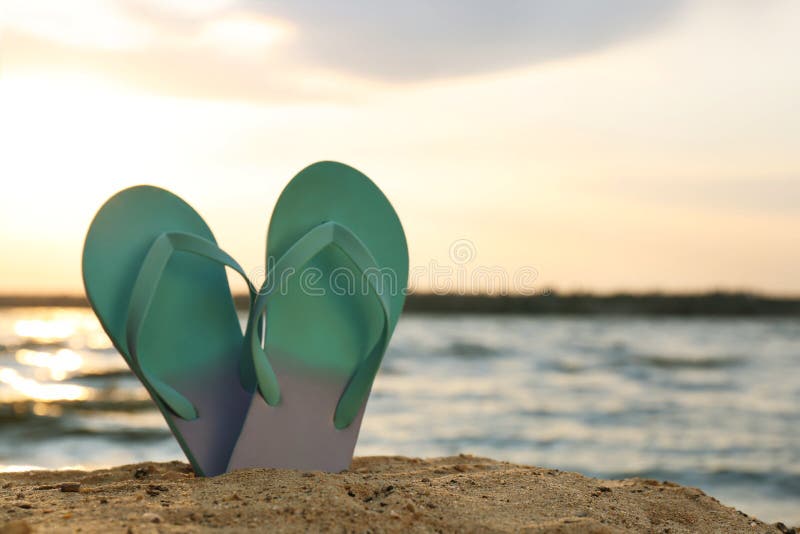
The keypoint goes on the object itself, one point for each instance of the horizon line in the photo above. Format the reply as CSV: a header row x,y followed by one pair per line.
x,y
709,303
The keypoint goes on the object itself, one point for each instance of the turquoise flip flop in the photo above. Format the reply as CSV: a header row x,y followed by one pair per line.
x,y
337,264
155,277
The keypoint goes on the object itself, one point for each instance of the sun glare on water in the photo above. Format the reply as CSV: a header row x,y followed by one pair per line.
x,y
58,326
44,392
44,331
61,363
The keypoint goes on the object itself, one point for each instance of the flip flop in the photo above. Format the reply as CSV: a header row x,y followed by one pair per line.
x,y
324,336
155,278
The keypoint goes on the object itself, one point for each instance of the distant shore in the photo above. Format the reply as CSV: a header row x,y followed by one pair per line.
x,y
380,494
552,303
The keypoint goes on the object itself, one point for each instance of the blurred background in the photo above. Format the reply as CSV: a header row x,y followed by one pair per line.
x,y
566,148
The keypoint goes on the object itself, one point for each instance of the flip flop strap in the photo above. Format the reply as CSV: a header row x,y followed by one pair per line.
x,y
144,290
300,253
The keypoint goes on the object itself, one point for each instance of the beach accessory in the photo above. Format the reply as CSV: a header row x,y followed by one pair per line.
x,y
335,286
337,264
155,278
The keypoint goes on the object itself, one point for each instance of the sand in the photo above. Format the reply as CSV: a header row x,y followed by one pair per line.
x,y
378,494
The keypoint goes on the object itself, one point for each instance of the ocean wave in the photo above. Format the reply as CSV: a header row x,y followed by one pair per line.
x,y
55,429
34,344
688,362
470,350
18,412
103,375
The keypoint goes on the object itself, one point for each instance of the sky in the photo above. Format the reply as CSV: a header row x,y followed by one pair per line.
x,y
603,146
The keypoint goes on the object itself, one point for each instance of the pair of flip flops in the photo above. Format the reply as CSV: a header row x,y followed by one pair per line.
x,y
290,390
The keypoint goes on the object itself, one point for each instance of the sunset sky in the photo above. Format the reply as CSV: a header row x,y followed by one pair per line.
x,y
617,145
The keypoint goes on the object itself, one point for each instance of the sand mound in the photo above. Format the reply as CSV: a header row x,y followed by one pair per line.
x,y
378,494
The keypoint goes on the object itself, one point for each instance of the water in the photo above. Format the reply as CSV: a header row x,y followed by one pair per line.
x,y
712,403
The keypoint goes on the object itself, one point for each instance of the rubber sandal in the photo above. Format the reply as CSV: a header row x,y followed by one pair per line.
x,y
337,264
156,280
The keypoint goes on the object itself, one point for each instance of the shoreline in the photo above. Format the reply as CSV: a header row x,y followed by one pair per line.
x,y
706,304
380,494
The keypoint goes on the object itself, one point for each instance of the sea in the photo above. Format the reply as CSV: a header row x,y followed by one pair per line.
x,y
712,403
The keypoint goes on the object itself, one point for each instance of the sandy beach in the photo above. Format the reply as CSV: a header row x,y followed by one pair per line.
x,y
378,494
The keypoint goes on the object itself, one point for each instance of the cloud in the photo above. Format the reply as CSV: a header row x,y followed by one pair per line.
x,y
304,49
418,39
213,49
89,24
